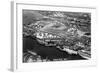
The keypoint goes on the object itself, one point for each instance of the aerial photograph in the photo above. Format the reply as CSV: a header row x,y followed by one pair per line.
x,y
55,36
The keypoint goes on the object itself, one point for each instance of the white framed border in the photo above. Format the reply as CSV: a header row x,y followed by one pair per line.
x,y
16,60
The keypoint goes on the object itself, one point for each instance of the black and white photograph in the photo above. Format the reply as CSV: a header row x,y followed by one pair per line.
x,y
52,36
55,36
